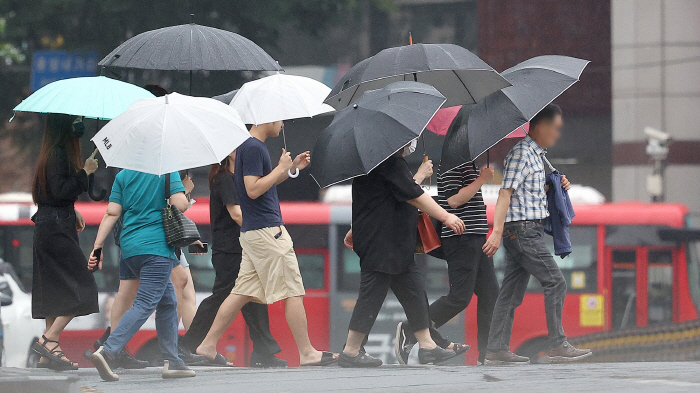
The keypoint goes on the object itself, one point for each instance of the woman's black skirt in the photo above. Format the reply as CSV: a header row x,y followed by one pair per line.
x,y
62,285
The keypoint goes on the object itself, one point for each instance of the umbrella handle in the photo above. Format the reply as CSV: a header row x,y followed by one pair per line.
x,y
91,189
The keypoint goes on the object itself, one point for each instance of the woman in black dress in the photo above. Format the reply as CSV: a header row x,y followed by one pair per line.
x,y
62,285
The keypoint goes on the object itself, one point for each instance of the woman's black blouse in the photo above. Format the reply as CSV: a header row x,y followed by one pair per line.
x,y
63,185
383,222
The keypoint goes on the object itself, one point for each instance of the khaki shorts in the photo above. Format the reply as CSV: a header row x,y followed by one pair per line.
x,y
269,267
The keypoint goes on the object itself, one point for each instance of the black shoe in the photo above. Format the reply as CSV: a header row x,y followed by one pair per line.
x,y
100,341
127,361
104,365
435,355
174,370
362,360
190,359
403,343
266,361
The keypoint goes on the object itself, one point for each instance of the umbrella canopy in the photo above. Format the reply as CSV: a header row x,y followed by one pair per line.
x,y
190,47
535,84
226,98
458,74
96,97
280,97
379,124
171,133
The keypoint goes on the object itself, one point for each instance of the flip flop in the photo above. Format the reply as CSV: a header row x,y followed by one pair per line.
x,y
460,348
326,359
218,361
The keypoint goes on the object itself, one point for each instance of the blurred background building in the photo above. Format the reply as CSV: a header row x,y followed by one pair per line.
x,y
656,83
644,70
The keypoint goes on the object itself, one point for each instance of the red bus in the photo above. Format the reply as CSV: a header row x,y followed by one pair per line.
x,y
620,274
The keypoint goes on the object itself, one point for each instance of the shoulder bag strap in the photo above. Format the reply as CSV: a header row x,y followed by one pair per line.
x,y
167,189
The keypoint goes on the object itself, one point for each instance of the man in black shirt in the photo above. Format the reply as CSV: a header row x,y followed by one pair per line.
x,y
385,218
226,218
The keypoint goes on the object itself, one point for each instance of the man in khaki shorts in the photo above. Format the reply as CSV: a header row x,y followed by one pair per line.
x,y
269,268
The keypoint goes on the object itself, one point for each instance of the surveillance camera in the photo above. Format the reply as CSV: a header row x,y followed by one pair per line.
x,y
653,133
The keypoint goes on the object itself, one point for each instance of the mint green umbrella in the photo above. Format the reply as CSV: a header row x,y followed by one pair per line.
x,y
97,97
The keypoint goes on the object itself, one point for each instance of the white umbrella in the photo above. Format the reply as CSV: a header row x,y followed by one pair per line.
x,y
171,133
280,97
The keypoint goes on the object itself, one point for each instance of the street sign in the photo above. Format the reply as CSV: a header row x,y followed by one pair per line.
x,y
49,66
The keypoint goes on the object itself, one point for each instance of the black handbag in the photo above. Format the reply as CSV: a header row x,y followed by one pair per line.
x,y
180,231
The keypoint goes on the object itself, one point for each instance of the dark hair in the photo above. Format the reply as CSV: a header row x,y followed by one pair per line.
x,y
548,113
58,134
216,169
156,90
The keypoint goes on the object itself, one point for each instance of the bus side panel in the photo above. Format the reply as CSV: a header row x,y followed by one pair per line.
x,y
530,321
684,306
317,315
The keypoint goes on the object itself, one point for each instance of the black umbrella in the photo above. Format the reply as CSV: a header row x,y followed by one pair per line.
x,y
368,132
535,84
190,47
458,74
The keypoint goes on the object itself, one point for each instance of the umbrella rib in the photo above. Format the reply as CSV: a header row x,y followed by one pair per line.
x,y
465,86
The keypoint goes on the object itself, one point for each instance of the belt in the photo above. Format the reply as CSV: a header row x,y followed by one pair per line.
x,y
538,221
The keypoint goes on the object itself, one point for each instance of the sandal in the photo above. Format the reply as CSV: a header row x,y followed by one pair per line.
x,y
57,358
460,348
327,358
218,361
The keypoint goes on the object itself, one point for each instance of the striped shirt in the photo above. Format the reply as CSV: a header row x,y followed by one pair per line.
x,y
523,171
473,213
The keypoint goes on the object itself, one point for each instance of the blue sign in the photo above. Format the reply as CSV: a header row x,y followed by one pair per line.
x,y
49,66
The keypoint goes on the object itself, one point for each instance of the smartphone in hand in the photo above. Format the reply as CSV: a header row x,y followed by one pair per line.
x,y
98,255
197,249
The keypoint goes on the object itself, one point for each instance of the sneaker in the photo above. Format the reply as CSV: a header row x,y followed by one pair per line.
x,y
362,360
127,361
190,359
567,353
504,357
266,361
174,370
435,355
403,343
103,363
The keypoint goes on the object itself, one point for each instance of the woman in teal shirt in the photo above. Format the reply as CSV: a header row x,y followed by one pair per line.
x,y
139,199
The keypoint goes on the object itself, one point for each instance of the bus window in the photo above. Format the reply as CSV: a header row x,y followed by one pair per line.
x,y
624,288
16,242
579,268
312,268
693,262
660,286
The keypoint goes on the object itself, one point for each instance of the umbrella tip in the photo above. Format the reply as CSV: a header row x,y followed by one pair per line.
x,y
410,38
354,106
191,18
166,98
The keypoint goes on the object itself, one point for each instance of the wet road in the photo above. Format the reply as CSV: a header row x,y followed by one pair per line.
x,y
602,377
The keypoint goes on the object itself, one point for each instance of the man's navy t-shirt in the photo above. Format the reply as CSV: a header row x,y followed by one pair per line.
x,y
253,159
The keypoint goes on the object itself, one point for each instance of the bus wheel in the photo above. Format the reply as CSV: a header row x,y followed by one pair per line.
x,y
535,349
150,352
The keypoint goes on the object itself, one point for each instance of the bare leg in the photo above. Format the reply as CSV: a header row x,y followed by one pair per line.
x,y
179,278
189,301
54,328
295,314
424,339
123,301
227,313
353,343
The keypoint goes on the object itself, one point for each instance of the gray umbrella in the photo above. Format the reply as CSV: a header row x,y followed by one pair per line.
x,y
190,47
458,74
226,97
377,125
536,83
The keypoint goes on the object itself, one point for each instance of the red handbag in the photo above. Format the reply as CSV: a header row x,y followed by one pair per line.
x,y
428,238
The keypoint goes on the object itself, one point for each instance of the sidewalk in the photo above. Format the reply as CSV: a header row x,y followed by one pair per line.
x,y
23,380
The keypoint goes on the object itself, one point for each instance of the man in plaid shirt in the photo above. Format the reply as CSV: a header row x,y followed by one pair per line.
x,y
520,212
